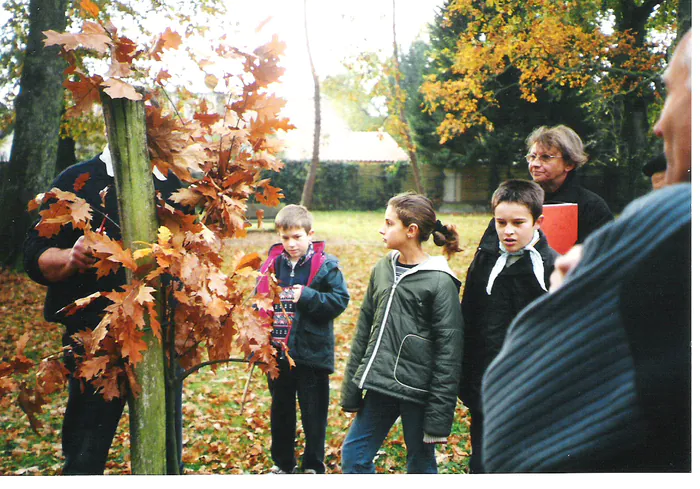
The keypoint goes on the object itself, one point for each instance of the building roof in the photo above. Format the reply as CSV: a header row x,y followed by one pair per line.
x,y
344,146
338,143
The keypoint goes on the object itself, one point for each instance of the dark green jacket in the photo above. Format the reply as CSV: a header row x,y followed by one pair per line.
x,y
408,341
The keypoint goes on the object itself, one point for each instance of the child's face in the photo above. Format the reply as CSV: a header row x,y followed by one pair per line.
x,y
296,241
515,225
393,230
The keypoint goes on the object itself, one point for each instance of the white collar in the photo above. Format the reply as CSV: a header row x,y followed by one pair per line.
x,y
535,258
106,157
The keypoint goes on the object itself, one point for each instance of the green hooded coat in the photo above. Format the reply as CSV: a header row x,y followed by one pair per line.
x,y
408,341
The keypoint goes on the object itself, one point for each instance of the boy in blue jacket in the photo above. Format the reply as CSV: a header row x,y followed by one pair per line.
x,y
506,274
314,293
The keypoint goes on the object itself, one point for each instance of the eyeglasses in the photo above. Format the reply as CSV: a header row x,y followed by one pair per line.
x,y
531,157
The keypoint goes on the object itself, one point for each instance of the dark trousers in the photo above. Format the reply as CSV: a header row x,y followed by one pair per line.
x,y
476,432
89,425
311,386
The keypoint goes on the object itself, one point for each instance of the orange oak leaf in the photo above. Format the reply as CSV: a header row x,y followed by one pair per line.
x,y
167,40
124,50
52,376
271,195
186,196
252,260
119,70
93,367
89,8
162,75
117,88
52,219
93,36
132,343
145,294
79,183
109,386
207,119
79,304
85,92
108,251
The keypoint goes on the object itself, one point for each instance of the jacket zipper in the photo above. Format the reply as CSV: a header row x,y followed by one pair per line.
x,y
383,324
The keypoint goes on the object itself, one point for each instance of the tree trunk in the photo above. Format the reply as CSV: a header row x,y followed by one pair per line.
x,y
126,125
38,108
634,131
401,106
685,17
307,194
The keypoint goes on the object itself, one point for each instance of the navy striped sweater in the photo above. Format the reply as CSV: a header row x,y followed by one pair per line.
x,y
596,376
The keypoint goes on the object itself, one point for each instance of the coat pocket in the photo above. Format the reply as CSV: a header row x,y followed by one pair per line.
x,y
414,363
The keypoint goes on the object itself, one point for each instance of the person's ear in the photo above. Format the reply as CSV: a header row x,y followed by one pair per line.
x,y
412,230
538,222
311,232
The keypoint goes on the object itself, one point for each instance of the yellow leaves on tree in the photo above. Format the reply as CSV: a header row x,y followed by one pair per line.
x,y
546,42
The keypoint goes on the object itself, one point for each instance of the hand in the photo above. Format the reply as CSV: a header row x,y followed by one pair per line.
x,y
57,264
564,265
80,256
297,290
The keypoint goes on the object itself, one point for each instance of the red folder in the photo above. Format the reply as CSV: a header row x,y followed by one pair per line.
x,y
560,225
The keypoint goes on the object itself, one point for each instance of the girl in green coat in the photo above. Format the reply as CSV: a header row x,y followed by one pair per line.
x,y
407,351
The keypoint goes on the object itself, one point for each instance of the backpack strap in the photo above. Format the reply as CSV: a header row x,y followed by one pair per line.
x,y
318,258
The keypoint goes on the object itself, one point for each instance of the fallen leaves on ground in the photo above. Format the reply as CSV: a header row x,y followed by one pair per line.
x,y
219,437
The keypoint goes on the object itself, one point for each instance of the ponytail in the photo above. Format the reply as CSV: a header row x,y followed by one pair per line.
x,y
446,235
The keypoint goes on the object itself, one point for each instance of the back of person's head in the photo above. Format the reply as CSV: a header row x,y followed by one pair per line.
x,y
562,138
413,208
523,192
294,216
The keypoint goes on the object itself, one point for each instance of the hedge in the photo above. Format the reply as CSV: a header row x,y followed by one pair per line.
x,y
345,186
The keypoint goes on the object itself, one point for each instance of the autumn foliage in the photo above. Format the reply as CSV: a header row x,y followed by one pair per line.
x,y
548,42
220,154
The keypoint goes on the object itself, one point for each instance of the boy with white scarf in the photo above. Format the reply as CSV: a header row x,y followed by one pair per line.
x,y
504,277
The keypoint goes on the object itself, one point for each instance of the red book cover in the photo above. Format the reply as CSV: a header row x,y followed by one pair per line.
x,y
560,225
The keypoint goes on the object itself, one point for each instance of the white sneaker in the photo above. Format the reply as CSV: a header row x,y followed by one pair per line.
x,y
277,470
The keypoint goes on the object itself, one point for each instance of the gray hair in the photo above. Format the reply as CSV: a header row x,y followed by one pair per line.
x,y
564,139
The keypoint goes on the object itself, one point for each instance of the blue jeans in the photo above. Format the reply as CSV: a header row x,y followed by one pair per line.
x,y
311,386
370,428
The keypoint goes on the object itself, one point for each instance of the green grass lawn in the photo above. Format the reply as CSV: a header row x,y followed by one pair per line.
x,y
220,435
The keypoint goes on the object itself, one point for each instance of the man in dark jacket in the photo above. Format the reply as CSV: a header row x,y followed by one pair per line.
x,y
595,376
502,280
64,264
314,294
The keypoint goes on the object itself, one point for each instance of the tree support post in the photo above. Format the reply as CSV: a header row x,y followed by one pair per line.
x,y
126,130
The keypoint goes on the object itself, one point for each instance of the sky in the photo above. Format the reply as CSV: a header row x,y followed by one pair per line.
x,y
339,29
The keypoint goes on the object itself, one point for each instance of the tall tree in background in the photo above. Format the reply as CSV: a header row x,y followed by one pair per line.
x,y
513,118
37,73
38,108
551,44
307,194
397,106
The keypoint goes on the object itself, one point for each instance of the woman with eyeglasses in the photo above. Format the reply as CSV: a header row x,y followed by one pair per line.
x,y
554,154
